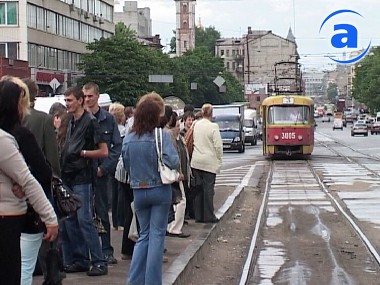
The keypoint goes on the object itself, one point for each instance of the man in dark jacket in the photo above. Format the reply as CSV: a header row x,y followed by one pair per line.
x,y
41,125
104,167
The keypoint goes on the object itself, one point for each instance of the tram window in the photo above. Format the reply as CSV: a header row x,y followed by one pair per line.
x,y
288,115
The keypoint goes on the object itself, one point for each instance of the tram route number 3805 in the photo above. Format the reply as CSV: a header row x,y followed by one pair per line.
x,y
288,136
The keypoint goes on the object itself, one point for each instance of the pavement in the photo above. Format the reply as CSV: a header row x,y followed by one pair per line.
x,y
183,253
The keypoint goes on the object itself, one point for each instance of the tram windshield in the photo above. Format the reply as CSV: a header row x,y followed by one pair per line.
x,y
288,115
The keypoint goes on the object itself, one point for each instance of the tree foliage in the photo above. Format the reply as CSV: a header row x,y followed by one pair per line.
x,y
366,82
121,66
207,37
332,92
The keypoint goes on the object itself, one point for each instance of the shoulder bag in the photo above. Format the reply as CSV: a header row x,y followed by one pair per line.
x,y
168,176
66,201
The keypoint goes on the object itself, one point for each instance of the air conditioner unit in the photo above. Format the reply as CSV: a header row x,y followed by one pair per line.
x,y
71,7
95,18
86,16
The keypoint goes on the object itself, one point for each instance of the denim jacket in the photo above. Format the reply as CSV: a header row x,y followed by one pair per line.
x,y
140,158
111,136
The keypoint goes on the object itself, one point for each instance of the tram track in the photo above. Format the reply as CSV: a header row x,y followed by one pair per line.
x,y
295,188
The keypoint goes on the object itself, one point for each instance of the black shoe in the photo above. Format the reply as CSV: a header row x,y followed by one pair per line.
x,y
110,259
97,270
73,268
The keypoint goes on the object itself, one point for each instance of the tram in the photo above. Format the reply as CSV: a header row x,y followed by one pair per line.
x,y
288,125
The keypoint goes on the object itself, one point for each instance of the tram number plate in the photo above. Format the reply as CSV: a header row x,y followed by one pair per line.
x,y
288,136
288,100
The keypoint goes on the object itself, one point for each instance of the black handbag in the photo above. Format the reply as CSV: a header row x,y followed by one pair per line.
x,y
65,200
33,223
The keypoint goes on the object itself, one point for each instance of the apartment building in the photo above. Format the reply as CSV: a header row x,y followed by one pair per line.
x,y
51,35
253,58
138,19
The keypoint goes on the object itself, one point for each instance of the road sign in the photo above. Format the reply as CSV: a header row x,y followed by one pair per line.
x,y
161,78
54,84
219,81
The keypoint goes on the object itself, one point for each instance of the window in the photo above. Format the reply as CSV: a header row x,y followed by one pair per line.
x,y
3,51
9,50
228,53
258,98
8,13
221,52
12,50
289,114
228,66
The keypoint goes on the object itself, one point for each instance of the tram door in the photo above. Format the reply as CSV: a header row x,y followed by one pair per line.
x,y
264,111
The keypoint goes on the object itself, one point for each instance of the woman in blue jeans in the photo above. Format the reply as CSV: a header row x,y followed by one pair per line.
x,y
152,199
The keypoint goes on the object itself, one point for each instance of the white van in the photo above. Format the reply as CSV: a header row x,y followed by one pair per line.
x,y
44,103
250,126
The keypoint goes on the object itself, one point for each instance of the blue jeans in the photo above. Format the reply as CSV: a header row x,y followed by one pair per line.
x,y
79,235
101,206
30,245
152,209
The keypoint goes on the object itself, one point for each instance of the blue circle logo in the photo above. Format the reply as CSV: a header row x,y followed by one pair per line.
x,y
345,36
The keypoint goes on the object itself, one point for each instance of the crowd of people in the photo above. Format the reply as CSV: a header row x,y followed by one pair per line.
x,y
109,159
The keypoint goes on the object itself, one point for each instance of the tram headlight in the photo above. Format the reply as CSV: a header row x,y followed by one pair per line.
x,y
276,137
300,138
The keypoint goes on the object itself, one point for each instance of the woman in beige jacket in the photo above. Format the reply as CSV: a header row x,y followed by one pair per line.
x,y
206,162
13,170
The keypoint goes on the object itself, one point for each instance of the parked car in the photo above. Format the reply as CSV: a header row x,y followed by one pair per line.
x,y
375,128
359,129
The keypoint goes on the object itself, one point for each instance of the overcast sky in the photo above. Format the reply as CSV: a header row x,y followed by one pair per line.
x,y
232,18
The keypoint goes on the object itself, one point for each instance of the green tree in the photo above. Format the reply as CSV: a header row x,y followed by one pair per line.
x,y
201,67
207,37
332,92
366,82
121,66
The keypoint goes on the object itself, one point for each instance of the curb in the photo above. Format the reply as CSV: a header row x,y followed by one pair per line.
x,y
182,266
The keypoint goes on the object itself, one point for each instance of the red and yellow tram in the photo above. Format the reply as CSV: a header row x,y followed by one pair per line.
x,y
288,125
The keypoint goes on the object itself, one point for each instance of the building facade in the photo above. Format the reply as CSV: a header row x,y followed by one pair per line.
x,y
314,84
185,26
253,59
51,35
138,19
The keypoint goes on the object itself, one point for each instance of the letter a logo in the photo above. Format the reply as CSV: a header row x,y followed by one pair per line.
x,y
348,39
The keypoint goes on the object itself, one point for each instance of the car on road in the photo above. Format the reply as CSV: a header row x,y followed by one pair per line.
x,y
338,124
375,128
359,129
326,118
349,119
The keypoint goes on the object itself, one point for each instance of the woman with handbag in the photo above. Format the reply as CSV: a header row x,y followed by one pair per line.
x,y
152,198
31,236
175,227
14,102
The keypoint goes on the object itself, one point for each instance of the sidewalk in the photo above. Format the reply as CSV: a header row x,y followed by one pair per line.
x,y
180,251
